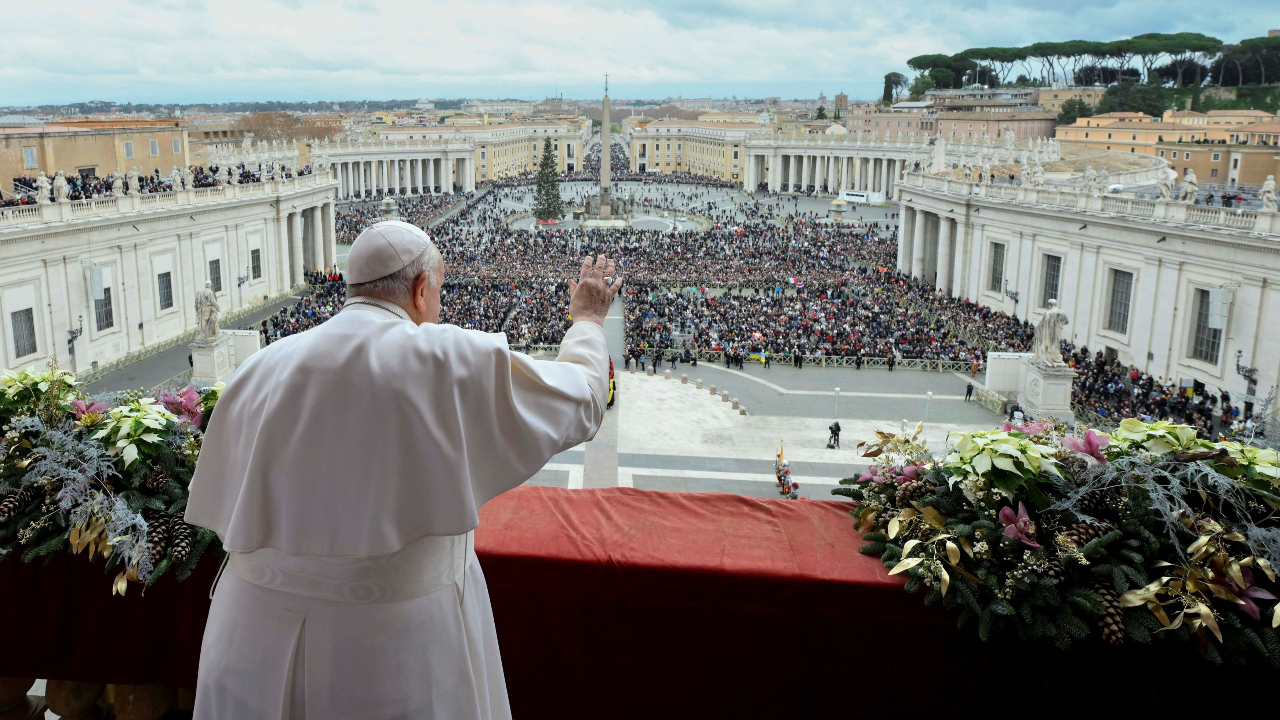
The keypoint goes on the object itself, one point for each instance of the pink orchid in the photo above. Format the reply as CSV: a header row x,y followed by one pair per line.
x,y
1092,445
867,476
910,473
82,408
1248,593
1019,527
186,405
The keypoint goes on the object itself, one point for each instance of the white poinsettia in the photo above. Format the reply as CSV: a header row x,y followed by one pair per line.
x,y
978,455
1159,437
1263,461
141,421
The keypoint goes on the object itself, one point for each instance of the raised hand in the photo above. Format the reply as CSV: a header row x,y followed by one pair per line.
x,y
590,296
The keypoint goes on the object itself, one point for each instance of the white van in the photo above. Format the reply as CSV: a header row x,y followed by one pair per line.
x,y
862,198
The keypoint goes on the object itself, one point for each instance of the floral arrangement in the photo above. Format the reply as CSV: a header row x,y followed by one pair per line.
x,y
105,474
1147,534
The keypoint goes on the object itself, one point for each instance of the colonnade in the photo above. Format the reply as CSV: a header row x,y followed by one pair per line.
x,y
309,241
823,173
404,175
931,249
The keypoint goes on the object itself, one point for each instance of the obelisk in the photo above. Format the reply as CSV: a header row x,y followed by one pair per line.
x,y
606,148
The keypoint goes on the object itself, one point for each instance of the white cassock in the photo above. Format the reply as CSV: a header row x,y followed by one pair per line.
x,y
342,470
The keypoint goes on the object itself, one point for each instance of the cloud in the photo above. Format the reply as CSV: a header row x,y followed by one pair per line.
x,y
178,51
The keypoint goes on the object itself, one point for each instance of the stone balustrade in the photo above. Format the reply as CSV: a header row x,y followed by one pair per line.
x,y
1166,211
76,209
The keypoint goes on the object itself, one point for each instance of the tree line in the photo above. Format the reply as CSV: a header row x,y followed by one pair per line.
x,y
1166,59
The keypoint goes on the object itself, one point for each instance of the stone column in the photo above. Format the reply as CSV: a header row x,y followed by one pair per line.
x,y
317,238
904,239
295,248
431,176
857,173
282,254
917,245
945,224
330,236
791,173
958,260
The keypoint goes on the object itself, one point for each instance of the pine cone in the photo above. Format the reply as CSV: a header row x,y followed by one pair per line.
x,y
914,490
157,533
1053,569
1074,465
1112,622
181,533
157,481
1079,535
14,502
1096,503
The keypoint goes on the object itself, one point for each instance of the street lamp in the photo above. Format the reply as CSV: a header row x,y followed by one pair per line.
x,y
1012,295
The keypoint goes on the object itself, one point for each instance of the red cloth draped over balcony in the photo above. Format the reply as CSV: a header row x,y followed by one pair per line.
x,y
629,603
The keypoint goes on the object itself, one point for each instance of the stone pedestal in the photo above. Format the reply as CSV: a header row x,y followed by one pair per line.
x,y
1046,392
210,360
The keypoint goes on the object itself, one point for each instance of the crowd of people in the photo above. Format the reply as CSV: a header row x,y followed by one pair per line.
x,y
91,187
1113,391
420,210
326,294
765,281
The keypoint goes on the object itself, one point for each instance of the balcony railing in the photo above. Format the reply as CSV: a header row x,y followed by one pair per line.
x,y
77,209
1158,210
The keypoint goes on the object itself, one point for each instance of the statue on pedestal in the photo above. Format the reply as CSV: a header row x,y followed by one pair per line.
x,y
1190,189
1048,338
1037,175
1104,180
207,313
42,189
60,188
1268,194
1164,186
117,183
938,156
132,176
1090,182
985,178
175,177
188,178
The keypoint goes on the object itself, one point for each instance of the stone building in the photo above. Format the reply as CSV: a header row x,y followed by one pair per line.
x,y
27,150
1174,289
94,284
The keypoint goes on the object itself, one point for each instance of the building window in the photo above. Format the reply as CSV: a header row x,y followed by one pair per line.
x,y
997,267
1161,153
215,275
1217,157
1052,278
1213,172
165,283
155,148
24,332
255,263
128,149
735,154
102,311
1186,156
1121,290
177,146
1207,338
28,157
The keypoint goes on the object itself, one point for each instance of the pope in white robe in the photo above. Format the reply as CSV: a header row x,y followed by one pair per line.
x,y
342,470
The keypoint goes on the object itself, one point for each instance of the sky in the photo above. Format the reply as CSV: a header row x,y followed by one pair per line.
x,y
187,51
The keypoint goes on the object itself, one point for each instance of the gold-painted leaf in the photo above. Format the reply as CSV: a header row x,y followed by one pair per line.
x,y
1275,616
1266,568
964,543
893,528
946,581
120,585
1233,572
905,565
1206,616
906,549
1158,610
953,552
1234,537
1134,598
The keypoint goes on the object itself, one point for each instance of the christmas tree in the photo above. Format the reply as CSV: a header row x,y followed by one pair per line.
x,y
547,205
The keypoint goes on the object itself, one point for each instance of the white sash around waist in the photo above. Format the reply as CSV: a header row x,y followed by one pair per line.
x,y
420,568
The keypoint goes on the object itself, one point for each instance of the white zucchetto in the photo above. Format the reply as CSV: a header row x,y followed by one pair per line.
x,y
384,248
